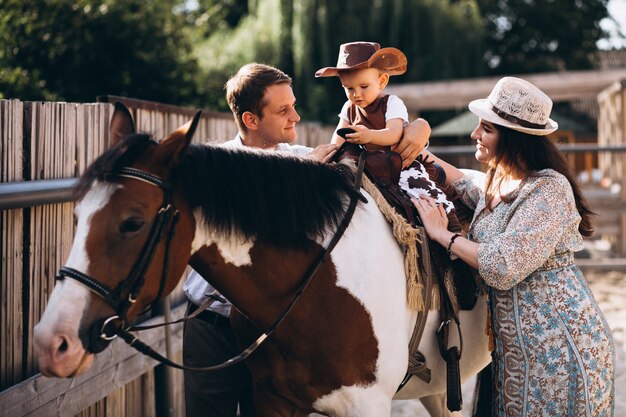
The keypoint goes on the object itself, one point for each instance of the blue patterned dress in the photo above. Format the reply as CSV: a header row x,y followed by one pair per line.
x,y
554,353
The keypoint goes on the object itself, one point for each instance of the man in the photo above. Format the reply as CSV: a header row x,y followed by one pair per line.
x,y
263,104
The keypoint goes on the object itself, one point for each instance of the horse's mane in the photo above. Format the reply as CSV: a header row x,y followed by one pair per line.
x,y
123,154
275,198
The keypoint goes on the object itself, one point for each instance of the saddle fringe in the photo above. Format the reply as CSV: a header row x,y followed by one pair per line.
x,y
407,237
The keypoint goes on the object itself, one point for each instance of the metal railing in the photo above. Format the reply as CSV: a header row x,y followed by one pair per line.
x,y
33,193
36,193
566,148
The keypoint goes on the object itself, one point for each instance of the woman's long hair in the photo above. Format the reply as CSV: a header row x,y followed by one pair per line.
x,y
523,155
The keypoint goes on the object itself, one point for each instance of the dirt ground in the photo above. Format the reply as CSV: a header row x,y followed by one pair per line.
x,y
609,288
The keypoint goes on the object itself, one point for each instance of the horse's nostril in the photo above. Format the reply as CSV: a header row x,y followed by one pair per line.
x,y
63,346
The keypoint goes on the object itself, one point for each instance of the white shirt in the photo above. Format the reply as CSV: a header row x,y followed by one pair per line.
x,y
195,287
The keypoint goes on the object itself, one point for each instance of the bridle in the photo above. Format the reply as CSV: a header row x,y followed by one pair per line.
x,y
122,297
103,331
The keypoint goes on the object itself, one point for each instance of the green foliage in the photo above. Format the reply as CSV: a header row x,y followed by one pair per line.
x,y
440,38
226,50
75,50
208,16
541,35
443,39
182,51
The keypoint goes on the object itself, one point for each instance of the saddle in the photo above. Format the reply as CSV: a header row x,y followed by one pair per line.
x,y
457,287
383,168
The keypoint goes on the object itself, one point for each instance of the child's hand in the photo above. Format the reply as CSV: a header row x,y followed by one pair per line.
x,y
361,136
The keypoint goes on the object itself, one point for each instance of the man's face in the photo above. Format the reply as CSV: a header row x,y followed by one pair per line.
x,y
278,124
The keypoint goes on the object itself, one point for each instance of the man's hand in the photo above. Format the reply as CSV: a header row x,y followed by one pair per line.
x,y
323,153
414,137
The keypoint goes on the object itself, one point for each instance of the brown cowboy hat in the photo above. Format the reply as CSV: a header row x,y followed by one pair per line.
x,y
358,55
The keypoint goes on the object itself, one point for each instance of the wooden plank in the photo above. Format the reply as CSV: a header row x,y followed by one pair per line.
x,y
11,310
612,130
11,248
605,264
456,94
621,244
112,368
81,144
65,138
147,391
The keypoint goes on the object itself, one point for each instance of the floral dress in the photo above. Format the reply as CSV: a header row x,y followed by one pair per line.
x,y
554,353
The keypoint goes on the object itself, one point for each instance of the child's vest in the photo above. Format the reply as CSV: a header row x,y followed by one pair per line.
x,y
372,117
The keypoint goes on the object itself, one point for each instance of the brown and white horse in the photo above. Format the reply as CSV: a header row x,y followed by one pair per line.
x,y
252,223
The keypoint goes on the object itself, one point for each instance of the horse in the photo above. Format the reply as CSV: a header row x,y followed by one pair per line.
x,y
251,223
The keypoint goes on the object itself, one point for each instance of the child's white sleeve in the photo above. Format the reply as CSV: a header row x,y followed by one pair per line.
x,y
396,110
343,115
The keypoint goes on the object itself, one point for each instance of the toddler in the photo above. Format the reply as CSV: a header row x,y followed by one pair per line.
x,y
378,118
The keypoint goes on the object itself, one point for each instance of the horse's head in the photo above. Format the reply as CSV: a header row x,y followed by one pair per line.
x,y
125,253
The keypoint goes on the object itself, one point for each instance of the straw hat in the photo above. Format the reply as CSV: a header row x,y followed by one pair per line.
x,y
358,55
518,105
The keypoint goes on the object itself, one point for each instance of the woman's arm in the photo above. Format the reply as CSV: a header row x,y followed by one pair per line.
x,y
544,213
435,222
452,172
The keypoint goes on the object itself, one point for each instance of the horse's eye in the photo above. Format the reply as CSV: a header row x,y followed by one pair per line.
x,y
131,225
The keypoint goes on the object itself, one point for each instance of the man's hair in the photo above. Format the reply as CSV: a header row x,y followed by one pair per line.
x,y
245,90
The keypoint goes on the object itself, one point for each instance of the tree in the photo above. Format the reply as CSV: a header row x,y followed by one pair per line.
x,y
75,50
525,36
441,39
285,39
209,16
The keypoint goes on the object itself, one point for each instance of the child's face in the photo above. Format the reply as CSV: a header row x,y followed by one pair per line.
x,y
363,86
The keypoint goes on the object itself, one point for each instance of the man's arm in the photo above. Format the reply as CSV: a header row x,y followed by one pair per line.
x,y
414,138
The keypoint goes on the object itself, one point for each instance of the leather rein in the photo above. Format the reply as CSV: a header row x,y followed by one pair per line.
x,y
103,331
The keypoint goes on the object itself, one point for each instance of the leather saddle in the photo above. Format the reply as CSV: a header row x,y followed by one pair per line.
x,y
383,168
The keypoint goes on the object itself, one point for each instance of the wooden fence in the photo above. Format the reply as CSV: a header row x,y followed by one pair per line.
x,y
44,140
58,140
612,131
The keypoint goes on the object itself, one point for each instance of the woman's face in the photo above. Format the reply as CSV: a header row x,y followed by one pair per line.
x,y
486,136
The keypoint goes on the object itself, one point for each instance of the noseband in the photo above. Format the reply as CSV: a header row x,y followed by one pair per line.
x,y
122,297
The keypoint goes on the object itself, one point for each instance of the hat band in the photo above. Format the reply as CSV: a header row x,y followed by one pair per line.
x,y
516,120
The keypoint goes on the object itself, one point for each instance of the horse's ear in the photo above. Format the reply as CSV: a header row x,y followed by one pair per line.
x,y
177,141
122,123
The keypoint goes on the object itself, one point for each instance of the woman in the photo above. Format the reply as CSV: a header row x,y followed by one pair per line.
x,y
553,352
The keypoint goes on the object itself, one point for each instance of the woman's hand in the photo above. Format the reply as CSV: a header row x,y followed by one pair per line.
x,y
433,217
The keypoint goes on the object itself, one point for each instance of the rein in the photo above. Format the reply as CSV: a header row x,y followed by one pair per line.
x,y
148,351
135,280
